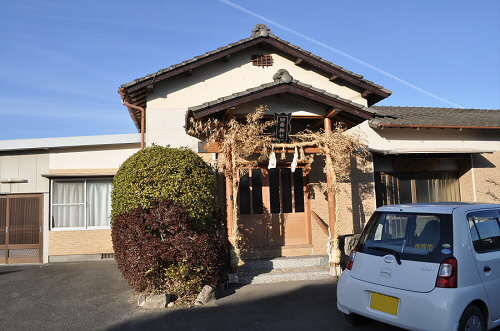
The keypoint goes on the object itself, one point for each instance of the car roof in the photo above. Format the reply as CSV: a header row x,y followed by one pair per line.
x,y
437,207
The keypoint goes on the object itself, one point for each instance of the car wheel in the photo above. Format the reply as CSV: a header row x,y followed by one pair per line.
x,y
472,320
356,320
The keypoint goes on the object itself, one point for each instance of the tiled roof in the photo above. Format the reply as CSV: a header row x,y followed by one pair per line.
x,y
392,116
136,91
260,31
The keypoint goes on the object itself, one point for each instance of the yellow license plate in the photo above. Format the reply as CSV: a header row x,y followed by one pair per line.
x,y
384,303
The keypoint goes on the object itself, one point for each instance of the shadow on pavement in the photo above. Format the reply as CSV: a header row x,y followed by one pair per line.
x,y
284,306
8,272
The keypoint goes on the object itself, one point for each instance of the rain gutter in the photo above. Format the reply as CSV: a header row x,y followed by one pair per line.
x,y
142,110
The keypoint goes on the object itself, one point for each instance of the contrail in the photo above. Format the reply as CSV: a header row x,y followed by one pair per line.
x,y
333,49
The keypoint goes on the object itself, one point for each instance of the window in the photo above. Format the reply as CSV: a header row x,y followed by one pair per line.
x,y
251,192
485,230
286,191
81,203
395,188
412,236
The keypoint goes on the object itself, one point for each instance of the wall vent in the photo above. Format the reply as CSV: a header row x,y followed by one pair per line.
x,y
262,60
108,256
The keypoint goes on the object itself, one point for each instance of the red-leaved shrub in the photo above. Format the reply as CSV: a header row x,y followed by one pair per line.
x,y
158,251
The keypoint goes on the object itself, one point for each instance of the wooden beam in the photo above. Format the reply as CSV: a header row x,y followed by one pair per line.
x,y
333,77
332,113
308,117
189,72
229,112
299,61
215,148
138,100
366,93
323,226
226,58
317,124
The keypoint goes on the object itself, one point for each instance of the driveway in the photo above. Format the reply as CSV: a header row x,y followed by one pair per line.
x,y
93,296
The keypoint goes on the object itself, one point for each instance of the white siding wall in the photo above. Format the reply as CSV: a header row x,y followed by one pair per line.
x,y
408,140
26,166
83,158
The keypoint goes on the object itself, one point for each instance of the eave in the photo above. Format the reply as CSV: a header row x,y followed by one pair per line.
x,y
423,126
342,109
136,91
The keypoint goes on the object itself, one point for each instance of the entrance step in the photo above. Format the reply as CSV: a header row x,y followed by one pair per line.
x,y
284,269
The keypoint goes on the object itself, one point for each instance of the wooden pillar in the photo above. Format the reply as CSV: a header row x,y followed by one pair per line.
x,y
332,216
229,208
331,195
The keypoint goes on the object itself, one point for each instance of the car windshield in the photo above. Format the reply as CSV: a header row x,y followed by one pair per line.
x,y
408,236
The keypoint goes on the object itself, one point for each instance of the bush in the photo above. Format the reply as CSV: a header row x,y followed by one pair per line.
x,y
158,251
158,173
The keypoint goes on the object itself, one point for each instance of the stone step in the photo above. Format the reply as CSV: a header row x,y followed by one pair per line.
x,y
284,275
284,269
285,263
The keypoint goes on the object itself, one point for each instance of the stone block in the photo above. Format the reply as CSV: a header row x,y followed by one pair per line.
x,y
206,295
157,301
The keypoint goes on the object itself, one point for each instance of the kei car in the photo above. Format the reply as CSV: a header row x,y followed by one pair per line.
x,y
426,267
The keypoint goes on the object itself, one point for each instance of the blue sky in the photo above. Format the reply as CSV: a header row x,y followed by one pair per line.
x,y
62,62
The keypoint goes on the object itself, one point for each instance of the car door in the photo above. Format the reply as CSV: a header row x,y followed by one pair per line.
x,y
485,232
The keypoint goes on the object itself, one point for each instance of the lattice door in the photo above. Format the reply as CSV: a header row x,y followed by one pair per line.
x,y
21,229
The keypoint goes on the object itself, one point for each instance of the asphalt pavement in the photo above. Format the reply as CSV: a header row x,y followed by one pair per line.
x,y
94,296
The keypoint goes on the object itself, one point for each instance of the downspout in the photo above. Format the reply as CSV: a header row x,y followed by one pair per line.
x,y
143,113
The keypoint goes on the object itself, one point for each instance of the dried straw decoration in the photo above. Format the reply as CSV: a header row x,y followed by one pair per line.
x,y
239,141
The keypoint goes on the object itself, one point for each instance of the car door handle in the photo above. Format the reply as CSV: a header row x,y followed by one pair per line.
x,y
487,268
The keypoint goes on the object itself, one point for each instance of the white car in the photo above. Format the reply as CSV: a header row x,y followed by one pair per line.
x,y
426,267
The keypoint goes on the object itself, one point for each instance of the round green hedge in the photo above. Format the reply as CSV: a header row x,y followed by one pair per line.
x,y
158,173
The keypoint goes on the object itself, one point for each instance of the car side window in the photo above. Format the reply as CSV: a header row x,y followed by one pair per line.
x,y
485,230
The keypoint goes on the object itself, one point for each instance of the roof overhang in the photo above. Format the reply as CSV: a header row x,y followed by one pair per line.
x,y
423,126
372,92
432,151
79,174
69,142
434,118
342,109
136,91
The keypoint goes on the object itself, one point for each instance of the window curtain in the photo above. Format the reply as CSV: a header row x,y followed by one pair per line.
x,y
99,203
68,203
396,188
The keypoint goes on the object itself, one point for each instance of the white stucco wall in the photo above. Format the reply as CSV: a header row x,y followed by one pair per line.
x,y
219,79
166,127
167,106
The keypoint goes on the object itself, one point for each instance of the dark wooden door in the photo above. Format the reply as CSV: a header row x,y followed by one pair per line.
x,y
273,209
21,228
